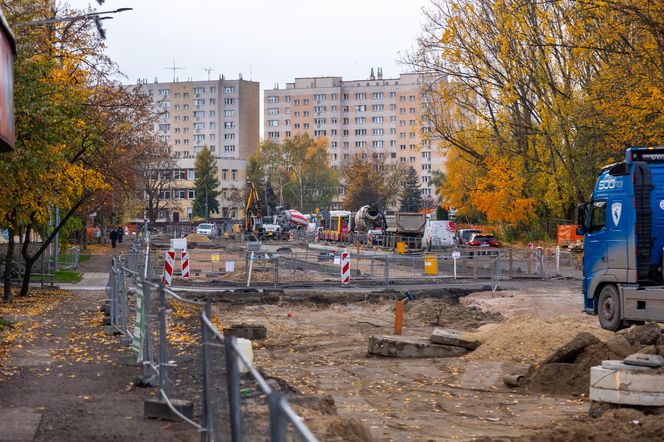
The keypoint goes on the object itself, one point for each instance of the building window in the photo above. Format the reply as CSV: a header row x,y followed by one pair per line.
x,y
213,101
164,92
229,124
377,119
199,101
361,96
229,113
378,143
273,99
229,136
229,148
319,97
229,101
273,123
229,89
377,107
360,120
273,111
234,174
360,108
273,134
377,131
199,90
213,114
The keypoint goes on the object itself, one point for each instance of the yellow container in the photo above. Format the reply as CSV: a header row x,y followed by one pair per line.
x,y
401,247
430,265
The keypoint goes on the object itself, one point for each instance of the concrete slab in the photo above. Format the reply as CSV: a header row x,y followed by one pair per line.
x,y
158,409
19,424
645,360
411,347
34,357
620,365
455,338
626,380
627,397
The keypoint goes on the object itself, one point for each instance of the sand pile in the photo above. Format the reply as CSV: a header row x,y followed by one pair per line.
x,y
528,339
196,237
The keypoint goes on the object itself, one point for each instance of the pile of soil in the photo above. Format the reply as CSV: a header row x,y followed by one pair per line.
x,y
449,313
567,370
196,237
615,425
528,339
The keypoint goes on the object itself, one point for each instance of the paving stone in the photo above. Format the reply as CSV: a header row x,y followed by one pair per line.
x,y
455,338
19,424
411,347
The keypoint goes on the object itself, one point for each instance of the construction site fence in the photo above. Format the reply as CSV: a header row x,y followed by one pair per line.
x,y
262,268
142,313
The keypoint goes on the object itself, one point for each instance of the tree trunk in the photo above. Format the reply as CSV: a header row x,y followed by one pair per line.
x,y
25,285
30,260
9,260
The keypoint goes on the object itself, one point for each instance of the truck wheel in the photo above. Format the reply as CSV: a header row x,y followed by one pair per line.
x,y
608,308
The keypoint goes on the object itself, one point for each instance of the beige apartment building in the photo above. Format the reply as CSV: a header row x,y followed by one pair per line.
x,y
220,114
380,115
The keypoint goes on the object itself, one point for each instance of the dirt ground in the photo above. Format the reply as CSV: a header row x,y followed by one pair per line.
x,y
322,350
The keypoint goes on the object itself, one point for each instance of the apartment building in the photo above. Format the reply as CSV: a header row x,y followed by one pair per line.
x,y
379,115
220,114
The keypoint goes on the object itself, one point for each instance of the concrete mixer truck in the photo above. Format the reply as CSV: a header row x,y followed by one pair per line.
x,y
289,219
370,220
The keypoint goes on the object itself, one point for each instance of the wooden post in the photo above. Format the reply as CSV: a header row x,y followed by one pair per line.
x,y
398,317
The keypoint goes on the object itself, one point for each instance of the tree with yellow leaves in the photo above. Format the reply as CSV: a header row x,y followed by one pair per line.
x,y
71,128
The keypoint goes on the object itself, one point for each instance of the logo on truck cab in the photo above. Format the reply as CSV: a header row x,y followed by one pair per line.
x,y
616,210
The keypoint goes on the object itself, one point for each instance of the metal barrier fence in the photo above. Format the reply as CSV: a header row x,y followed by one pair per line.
x,y
265,267
145,323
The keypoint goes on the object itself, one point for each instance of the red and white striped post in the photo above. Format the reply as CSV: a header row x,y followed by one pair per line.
x,y
169,263
345,268
184,259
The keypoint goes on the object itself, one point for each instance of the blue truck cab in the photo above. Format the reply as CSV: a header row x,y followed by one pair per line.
x,y
623,228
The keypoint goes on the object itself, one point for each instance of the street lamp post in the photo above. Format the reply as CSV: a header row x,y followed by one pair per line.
x,y
97,16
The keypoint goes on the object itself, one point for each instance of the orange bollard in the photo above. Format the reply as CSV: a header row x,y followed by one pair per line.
x,y
357,245
398,317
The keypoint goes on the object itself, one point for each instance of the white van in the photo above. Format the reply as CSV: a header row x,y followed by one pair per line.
x,y
438,234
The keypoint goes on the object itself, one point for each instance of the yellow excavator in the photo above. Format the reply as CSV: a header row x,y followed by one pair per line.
x,y
250,208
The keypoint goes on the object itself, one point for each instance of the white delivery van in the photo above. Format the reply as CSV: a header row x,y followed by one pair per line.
x,y
438,234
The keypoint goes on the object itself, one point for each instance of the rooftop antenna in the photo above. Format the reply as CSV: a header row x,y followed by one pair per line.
x,y
174,68
208,70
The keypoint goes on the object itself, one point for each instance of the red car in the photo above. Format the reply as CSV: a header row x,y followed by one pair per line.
x,y
480,240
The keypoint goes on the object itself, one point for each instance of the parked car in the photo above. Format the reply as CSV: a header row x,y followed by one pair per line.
x,y
207,229
480,240
462,236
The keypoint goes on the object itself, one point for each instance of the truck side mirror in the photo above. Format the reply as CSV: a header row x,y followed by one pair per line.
x,y
581,210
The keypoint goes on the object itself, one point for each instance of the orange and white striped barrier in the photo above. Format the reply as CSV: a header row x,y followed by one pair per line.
x,y
169,263
185,263
345,268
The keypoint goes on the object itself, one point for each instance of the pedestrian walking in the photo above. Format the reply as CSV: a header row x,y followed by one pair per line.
x,y
120,234
114,237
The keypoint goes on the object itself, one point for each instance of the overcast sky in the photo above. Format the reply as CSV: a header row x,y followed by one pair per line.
x,y
270,41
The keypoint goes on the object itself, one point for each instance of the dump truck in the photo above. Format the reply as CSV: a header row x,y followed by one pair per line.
x,y
623,229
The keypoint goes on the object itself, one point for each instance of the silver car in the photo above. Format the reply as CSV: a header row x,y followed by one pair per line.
x,y
207,229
